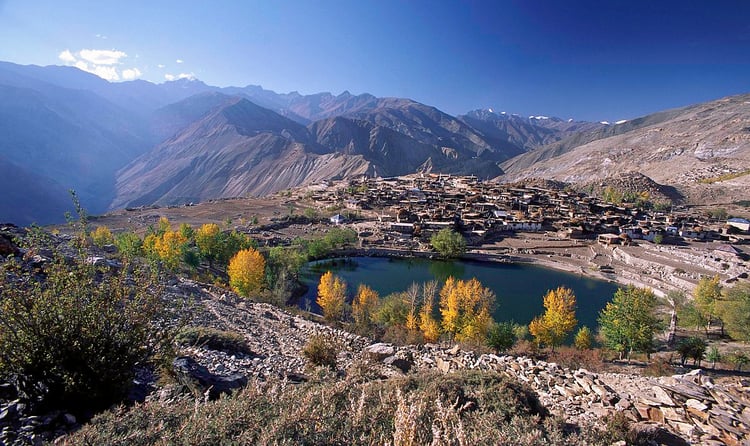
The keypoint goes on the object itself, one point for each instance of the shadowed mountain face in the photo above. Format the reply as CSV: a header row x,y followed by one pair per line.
x,y
238,148
138,143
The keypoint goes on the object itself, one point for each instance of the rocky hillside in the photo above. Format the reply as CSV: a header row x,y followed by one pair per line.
x,y
678,410
225,146
703,151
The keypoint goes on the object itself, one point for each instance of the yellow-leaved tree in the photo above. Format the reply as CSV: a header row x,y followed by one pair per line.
x,y
558,320
465,307
246,271
331,296
208,240
169,248
364,306
427,322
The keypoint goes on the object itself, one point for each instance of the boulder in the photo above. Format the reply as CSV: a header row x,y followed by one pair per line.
x,y
400,363
7,247
199,380
380,351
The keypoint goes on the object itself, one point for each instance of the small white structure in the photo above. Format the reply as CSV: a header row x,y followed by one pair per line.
x,y
338,219
742,224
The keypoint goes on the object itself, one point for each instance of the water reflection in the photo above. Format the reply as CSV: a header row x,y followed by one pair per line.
x,y
519,288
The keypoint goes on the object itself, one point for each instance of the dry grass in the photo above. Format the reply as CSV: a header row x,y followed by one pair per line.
x,y
468,408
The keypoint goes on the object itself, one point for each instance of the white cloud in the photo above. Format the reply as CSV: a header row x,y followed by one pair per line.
x,y
161,65
105,72
67,57
131,73
101,63
101,36
102,57
174,77
179,61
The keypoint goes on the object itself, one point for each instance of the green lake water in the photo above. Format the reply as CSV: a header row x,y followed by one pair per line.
x,y
519,287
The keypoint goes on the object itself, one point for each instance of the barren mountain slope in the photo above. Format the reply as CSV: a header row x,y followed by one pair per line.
x,y
702,150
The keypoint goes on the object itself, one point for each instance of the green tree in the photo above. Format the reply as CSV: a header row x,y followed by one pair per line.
x,y
734,310
210,242
693,348
706,294
628,322
713,355
129,244
558,320
448,243
583,339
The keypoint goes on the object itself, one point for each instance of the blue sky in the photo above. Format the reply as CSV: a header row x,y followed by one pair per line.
x,y
593,60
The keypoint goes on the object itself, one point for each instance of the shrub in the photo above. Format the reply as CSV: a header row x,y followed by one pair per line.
x,y
74,336
214,339
321,351
659,367
501,336
713,355
102,236
575,359
129,244
583,339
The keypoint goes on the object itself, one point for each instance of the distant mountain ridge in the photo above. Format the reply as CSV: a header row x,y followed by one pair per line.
x,y
138,143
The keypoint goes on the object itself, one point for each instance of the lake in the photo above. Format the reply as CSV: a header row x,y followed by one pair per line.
x,y
519,287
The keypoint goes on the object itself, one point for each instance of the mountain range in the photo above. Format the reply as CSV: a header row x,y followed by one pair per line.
x,y
138,143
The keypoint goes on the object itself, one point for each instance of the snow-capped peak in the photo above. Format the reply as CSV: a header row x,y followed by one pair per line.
x,y
604,122
538,117
621,121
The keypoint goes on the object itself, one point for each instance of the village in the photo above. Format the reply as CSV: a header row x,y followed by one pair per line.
x,y
664,250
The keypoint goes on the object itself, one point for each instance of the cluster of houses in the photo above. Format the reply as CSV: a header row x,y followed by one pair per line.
x,y
417,206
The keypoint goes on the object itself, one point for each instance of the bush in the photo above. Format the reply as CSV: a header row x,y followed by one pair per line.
x,y
73,335
226,341
321,351
659,367
102,236
583,339
574,358
501,336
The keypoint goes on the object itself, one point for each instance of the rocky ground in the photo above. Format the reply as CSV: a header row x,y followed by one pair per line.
x,y
691,407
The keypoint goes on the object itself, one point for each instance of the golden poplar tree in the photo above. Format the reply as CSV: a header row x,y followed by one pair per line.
x,y
246,271
331,296
169,247
466,309
558,320
364,305
427,323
